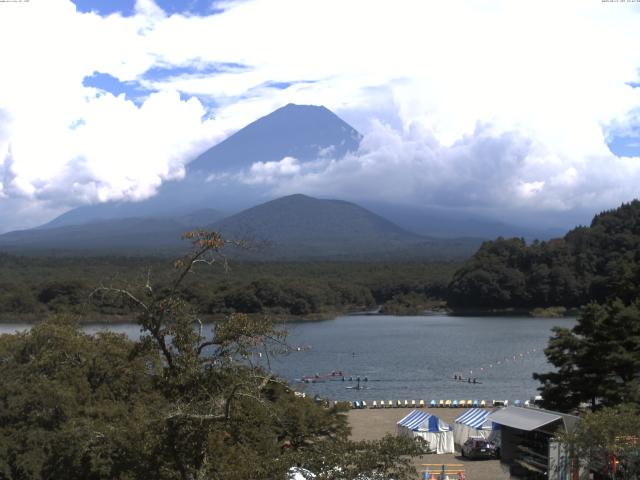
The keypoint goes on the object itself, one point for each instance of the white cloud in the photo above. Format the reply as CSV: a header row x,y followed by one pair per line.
x,y
486,170
270,172
510,102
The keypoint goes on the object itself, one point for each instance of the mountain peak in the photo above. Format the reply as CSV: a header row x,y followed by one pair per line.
x,y
293,106
295,197
298,109
306,226
304,132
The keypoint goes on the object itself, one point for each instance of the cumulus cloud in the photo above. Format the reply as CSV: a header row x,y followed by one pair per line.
x,y
269,172
492,103
488,169
63,144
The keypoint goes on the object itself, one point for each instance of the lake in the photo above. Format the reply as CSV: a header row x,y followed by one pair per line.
x,y
409,357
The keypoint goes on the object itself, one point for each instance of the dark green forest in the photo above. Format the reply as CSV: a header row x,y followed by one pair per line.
x,y
597,362
595,263
33,287
179,404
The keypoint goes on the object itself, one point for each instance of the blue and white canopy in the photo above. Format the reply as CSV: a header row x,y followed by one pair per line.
x,y
477,424
421,424
476,418
424,422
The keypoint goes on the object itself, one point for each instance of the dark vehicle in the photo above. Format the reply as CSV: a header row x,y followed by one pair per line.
x,y
478,448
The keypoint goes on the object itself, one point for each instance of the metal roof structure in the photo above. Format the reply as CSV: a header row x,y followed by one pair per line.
x,y
525,418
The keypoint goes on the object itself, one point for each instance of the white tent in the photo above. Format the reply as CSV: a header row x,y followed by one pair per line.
x,y
422,424
474,423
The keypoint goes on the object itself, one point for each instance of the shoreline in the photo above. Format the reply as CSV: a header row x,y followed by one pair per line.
x,y
104,319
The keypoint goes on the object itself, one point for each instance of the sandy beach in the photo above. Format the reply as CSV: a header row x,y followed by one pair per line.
x,y
371,424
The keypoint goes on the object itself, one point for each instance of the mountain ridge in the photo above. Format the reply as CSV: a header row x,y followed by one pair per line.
x,y
301,131
215,180
292,227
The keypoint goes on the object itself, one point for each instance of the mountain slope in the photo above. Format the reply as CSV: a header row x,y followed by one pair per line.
x,y
304,132
448,223
216,179
131,235
298,226
301,131
293,227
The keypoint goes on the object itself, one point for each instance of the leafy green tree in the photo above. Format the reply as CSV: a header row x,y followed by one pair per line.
x,y
609,441
387,458
76,406
597,361
17,300
188,401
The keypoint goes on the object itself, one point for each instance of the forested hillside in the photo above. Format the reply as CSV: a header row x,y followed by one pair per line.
x,y
33,287
594,263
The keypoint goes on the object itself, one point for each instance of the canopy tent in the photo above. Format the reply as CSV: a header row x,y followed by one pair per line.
x,y
422,424
474,423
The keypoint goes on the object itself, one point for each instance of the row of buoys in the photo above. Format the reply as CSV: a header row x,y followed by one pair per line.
x,y
433,404
508,359
357,379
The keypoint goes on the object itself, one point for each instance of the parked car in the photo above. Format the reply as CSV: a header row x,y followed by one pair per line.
x,y
478,448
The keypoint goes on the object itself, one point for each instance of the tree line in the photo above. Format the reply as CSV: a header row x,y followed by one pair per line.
x,y
32,287
596,263
596,364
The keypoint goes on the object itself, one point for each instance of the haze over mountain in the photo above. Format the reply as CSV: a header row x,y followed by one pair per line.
x,y
217,178
298,226
114,123
292,227
213,180
448,223
116,235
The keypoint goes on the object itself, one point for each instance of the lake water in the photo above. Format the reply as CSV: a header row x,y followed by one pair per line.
x,y
410,357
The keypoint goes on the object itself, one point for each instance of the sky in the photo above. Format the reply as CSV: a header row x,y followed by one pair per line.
x,y
516,110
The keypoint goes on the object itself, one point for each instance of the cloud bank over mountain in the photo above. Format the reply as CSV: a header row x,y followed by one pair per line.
x,y
489,171
502,106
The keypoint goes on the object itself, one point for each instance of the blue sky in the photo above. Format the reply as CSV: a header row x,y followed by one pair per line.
x,y
134,90
626,145
626,142
127,7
